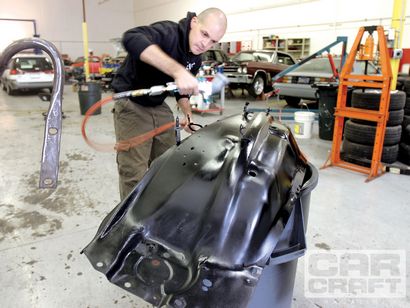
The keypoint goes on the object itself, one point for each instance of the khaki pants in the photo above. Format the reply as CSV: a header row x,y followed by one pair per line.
x,y
130,120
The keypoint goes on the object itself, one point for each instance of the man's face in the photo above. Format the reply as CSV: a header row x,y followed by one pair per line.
x,y
204,35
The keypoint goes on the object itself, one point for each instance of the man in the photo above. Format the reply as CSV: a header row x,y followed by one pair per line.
x,y
162,52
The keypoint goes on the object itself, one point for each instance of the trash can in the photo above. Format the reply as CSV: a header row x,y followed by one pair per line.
x,y
327,97
276,284
237,248
88,94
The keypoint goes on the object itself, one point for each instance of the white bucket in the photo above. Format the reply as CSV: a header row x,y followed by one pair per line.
x,y
198,102
303,124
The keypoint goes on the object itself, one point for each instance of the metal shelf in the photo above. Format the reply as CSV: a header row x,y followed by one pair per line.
x,y
299,47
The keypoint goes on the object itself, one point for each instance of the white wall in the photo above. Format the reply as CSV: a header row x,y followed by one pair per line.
x,y
60,21
320,20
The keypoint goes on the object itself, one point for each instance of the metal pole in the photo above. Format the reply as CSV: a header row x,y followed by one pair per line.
x,y
29,20
397,23
85,45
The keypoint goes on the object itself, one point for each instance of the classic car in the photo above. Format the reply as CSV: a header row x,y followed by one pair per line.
x,y
253,70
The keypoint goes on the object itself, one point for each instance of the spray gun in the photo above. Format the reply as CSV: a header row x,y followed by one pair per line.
x,y
206,88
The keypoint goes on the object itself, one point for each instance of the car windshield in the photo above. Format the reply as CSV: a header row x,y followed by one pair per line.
x,y
33,64
252,56
219,57
360,66
317,65
208,56
243,56
262,56
322,65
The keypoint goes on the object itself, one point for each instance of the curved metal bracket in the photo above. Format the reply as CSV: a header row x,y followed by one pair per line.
x,y
52,133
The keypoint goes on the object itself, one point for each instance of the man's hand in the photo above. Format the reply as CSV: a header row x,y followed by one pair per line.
x,y
185,123
186,83
185,106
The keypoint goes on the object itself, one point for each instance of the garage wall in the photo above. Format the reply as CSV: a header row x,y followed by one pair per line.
x,y
60,21
320,20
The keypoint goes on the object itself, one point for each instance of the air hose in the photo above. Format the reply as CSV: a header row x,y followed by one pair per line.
x,y
206,88
125,145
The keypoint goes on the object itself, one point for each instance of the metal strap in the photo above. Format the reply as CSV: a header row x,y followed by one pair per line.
x,y
52,133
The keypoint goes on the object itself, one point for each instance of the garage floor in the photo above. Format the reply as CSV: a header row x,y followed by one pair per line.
x,y
43,231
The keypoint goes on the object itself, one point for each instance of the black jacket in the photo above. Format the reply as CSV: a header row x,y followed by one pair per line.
x,y
172,38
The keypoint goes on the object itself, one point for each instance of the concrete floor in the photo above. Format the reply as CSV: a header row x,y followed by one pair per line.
x,y
43,231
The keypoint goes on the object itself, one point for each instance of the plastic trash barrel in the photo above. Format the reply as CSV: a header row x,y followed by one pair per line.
x,y
88,94
327,103
276,284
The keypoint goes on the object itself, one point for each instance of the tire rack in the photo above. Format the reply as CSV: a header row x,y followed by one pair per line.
x,y
380,116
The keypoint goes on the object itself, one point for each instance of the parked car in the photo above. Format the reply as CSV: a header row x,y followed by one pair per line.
x,y
94,64
253,70
211,59
68,70
297,84
27,71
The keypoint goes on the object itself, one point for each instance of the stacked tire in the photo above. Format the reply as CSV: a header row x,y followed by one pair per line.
x,y
359,135
404,151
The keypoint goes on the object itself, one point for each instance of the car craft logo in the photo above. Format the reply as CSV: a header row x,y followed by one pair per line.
x,y
355,274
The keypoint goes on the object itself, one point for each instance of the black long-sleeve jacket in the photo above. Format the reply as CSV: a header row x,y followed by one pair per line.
x,y
172,38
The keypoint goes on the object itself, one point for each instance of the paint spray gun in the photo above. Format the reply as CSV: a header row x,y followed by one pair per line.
x,y
206,88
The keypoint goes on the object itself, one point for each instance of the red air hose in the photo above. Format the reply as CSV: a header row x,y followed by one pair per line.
x,y
122,145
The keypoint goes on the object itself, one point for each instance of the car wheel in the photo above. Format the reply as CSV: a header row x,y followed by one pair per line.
x,y
357,150
257,86
407,86
405,136
371,99
9,90
395,118
292,101
365,134
404,153
406,121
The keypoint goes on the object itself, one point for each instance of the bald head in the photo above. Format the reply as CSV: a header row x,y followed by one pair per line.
x,y
206,29
216,15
